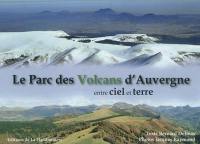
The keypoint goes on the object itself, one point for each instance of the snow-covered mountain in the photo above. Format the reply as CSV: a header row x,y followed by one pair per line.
x,y
43,48
123,38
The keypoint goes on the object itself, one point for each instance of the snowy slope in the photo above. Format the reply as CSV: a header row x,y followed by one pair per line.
x,y
42,48
135,38
172,54
131,38
50,47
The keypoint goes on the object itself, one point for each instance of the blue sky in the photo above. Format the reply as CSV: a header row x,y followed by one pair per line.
x,y
133,6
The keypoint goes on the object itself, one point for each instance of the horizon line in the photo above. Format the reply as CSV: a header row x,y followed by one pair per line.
x,y
93,11
62,105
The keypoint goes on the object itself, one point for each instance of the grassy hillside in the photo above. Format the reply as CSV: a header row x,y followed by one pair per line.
x,y
136,111
145,122
41,112
116,125
4,139
111,127
82,137
97,115
188,115
127,129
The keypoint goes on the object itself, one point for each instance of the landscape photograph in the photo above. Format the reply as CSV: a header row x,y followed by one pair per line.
x,y
99,40
120,123
130,33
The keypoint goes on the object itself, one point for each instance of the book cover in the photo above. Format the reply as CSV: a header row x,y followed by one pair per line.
x,y
99,72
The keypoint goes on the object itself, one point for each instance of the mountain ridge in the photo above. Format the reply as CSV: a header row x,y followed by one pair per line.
x,y
93,22
44,48
184,114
